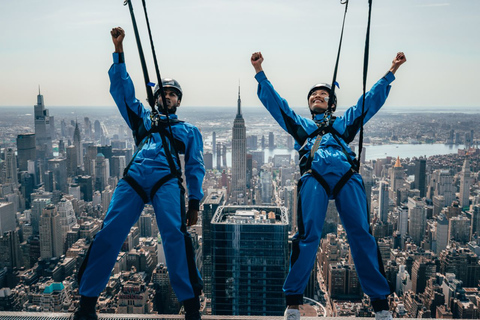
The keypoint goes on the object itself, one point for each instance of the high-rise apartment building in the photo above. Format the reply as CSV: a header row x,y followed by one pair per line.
x,y
250,260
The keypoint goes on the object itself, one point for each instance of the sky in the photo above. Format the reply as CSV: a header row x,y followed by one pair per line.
x,y
64,47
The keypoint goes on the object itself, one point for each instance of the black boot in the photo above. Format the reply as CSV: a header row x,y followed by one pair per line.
x,y
192,307
86,309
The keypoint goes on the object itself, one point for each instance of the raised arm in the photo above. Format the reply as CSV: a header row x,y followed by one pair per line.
x,y
121,85
299,127
348,125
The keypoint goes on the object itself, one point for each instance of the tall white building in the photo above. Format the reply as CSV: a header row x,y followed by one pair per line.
x,y
67,217
51,240
465,183
443,184
417,219
383,202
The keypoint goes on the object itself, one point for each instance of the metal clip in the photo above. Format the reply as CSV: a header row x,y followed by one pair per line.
x,y
155,118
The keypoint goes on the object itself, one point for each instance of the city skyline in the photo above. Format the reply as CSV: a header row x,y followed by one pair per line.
x,y
210,42
51,209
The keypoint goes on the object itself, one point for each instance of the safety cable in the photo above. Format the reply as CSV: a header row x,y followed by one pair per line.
x,y
365,72
334,81
151,99
160,85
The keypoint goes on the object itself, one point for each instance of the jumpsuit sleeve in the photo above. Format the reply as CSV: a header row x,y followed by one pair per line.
x,y
350,122
194,168
123,93
278,107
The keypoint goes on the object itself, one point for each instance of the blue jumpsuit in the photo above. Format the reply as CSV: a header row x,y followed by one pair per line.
x,y
148,167
330,162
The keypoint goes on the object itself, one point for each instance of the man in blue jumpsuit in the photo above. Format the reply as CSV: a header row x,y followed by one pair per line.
x,y
329,171
150,178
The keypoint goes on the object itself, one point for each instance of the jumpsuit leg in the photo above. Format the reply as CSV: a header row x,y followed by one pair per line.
x,y
169,205
313,203
124,210
351,203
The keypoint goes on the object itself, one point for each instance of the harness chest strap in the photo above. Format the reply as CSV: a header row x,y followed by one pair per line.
x,y
174,172
353,166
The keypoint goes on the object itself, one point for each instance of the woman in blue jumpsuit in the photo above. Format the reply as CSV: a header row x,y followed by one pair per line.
x,y
322,170
149,167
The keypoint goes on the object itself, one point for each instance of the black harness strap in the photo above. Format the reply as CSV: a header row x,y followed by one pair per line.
x,y
320,180
342,181
160,183
137,187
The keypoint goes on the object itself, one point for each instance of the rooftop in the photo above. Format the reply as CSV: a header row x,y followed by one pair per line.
x,y
250,215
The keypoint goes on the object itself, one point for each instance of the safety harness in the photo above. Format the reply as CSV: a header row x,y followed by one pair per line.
x,y
325,126
143,137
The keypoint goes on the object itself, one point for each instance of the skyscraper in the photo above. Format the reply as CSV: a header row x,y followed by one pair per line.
x,y
271,141
397,176
210,205
72,164
239,156
402,220
11,166
7,217
250,260
214,142
78,145
67,217
417,219
43,134
25,150
465,183
443,184
59,169
441,233
383,202
51,242
102,172
420,174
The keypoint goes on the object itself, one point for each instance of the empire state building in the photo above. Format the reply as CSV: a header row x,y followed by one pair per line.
x,y
239,156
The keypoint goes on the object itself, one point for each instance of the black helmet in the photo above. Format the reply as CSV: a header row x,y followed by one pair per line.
x,y
171,84
324,86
